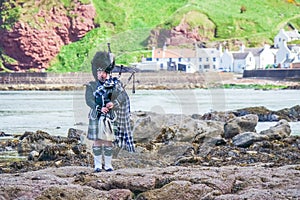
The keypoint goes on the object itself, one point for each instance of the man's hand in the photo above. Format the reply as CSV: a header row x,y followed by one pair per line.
x,y
108,106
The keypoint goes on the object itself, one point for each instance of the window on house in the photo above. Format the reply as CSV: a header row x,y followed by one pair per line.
x,y
161,66
189,59
214,66
200,59
157,59
179,59
148,59
207,59
214,59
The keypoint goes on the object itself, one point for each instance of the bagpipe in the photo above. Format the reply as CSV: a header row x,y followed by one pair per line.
x,y
104,92
120,69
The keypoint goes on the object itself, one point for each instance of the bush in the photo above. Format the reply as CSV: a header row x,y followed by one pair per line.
x,y
10,14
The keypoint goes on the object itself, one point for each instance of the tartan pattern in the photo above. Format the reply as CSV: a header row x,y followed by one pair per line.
x,y
123,135
93,129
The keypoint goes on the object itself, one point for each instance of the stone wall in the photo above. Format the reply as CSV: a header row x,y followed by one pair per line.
x,y
44,78
278,74
143,80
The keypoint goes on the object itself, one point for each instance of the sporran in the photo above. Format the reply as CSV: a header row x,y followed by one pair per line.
x,y
106,129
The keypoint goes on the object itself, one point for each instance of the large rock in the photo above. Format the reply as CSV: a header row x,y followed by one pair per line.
x,y
146,126
164,128
239,125
281,130
246,139
290,114
178,190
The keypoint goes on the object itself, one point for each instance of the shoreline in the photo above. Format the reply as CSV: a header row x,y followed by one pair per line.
x,y
159,81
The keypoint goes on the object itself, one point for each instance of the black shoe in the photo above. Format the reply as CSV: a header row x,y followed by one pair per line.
x,y
97,170
109,170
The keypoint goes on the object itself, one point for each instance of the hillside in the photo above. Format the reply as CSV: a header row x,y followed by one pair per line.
x,y
62,36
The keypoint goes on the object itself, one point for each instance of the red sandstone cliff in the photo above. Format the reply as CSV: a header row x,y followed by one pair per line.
x,y
35,47
184,32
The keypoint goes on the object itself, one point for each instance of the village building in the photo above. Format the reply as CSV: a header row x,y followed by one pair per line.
x,y
287,55
202,59
170,60
243,61
287,36
264,57
208,58
237,61
226,61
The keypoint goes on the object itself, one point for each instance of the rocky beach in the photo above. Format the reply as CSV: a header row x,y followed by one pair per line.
x,y
212,156
218,155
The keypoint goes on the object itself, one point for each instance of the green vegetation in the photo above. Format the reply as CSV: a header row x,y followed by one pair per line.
x,y
5,59
127,24
254,86
10,13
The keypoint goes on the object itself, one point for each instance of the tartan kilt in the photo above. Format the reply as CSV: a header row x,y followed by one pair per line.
x,y
96,130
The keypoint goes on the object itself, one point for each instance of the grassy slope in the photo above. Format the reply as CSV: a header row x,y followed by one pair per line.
x,y
127,25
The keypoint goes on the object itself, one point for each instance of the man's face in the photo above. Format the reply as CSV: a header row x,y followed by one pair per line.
x,y
101,75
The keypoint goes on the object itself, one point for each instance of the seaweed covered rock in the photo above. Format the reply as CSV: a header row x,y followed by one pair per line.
x,y
265,115
37,141
175,140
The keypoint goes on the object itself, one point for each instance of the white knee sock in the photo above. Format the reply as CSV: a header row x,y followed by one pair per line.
x,y
98,162
108,158
107,162
97,157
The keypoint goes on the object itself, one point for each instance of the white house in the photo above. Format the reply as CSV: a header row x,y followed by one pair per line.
x,y
243,61
286,36
287,54
208,58
283,53
226,61
263,56
175,59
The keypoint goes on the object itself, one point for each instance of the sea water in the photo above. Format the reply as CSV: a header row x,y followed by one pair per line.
x,y
57,111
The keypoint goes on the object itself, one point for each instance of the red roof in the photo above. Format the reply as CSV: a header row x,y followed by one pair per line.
x,y
174,53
